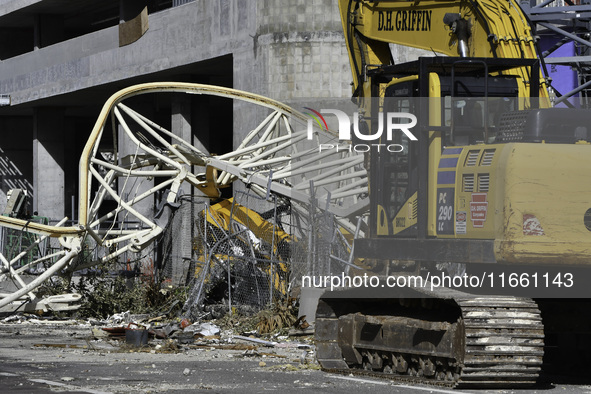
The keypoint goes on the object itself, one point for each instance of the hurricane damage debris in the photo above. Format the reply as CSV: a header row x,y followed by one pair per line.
x,y
146,268
109,335
95,361
133,177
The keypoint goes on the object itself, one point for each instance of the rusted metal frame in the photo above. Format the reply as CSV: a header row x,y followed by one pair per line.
x,y
327,176
141,145
231,157
269,121
352,173
33,245
134,173
243,148
162,129
345,191
273,133
261,152
72,236
157,136
303,163
40,229
339,163
125,236
254,153
16,276
347,176
35,262
99,197
120,200
142,121
257,160
16,273
283,190
132,202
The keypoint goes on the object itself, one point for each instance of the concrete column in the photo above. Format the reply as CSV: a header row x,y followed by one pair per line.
x,y
182,243
181,117
48,162
16,157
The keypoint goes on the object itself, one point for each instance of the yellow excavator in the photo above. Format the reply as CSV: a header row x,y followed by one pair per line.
x,y
487,208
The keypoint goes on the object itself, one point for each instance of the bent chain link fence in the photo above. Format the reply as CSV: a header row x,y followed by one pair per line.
x,y
250,257
248,253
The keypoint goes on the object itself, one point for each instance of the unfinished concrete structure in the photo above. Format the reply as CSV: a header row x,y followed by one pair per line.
x,y
60,60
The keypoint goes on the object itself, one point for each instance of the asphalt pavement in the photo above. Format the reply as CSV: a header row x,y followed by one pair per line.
x,y
44,358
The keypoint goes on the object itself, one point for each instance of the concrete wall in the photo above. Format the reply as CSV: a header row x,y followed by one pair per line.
x,y
8,6
306,53
178,36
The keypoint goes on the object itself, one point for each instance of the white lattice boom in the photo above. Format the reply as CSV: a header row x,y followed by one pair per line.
x,y
275,157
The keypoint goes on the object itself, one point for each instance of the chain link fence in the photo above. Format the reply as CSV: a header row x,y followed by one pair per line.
x,y
248,252
245,253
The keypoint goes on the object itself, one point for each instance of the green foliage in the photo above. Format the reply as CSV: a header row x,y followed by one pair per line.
x,y
104,294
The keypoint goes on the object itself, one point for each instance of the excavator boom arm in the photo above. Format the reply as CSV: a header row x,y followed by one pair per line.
x,y
474,28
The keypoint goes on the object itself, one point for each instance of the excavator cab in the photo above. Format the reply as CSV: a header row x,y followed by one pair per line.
x,y
457,102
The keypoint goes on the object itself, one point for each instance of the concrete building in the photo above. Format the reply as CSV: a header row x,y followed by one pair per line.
x,y
60,60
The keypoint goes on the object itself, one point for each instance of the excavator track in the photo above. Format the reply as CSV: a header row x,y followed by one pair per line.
x,y
504,342
450,339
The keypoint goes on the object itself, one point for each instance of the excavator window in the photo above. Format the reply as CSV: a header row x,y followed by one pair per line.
x,y
474,120
467,116
473,106
397,173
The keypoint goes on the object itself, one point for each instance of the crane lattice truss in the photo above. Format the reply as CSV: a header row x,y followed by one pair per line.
x,y
277,156
569,21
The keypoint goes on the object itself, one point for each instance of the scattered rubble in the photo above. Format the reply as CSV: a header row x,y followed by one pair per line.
x,y
203,330
259,340
163,335
87,355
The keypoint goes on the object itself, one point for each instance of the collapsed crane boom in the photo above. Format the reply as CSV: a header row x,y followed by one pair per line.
x,y
277,156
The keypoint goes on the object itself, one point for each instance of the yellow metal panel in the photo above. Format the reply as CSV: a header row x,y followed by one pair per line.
x,y
546,190
382,221
407,216
434,150
420,24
